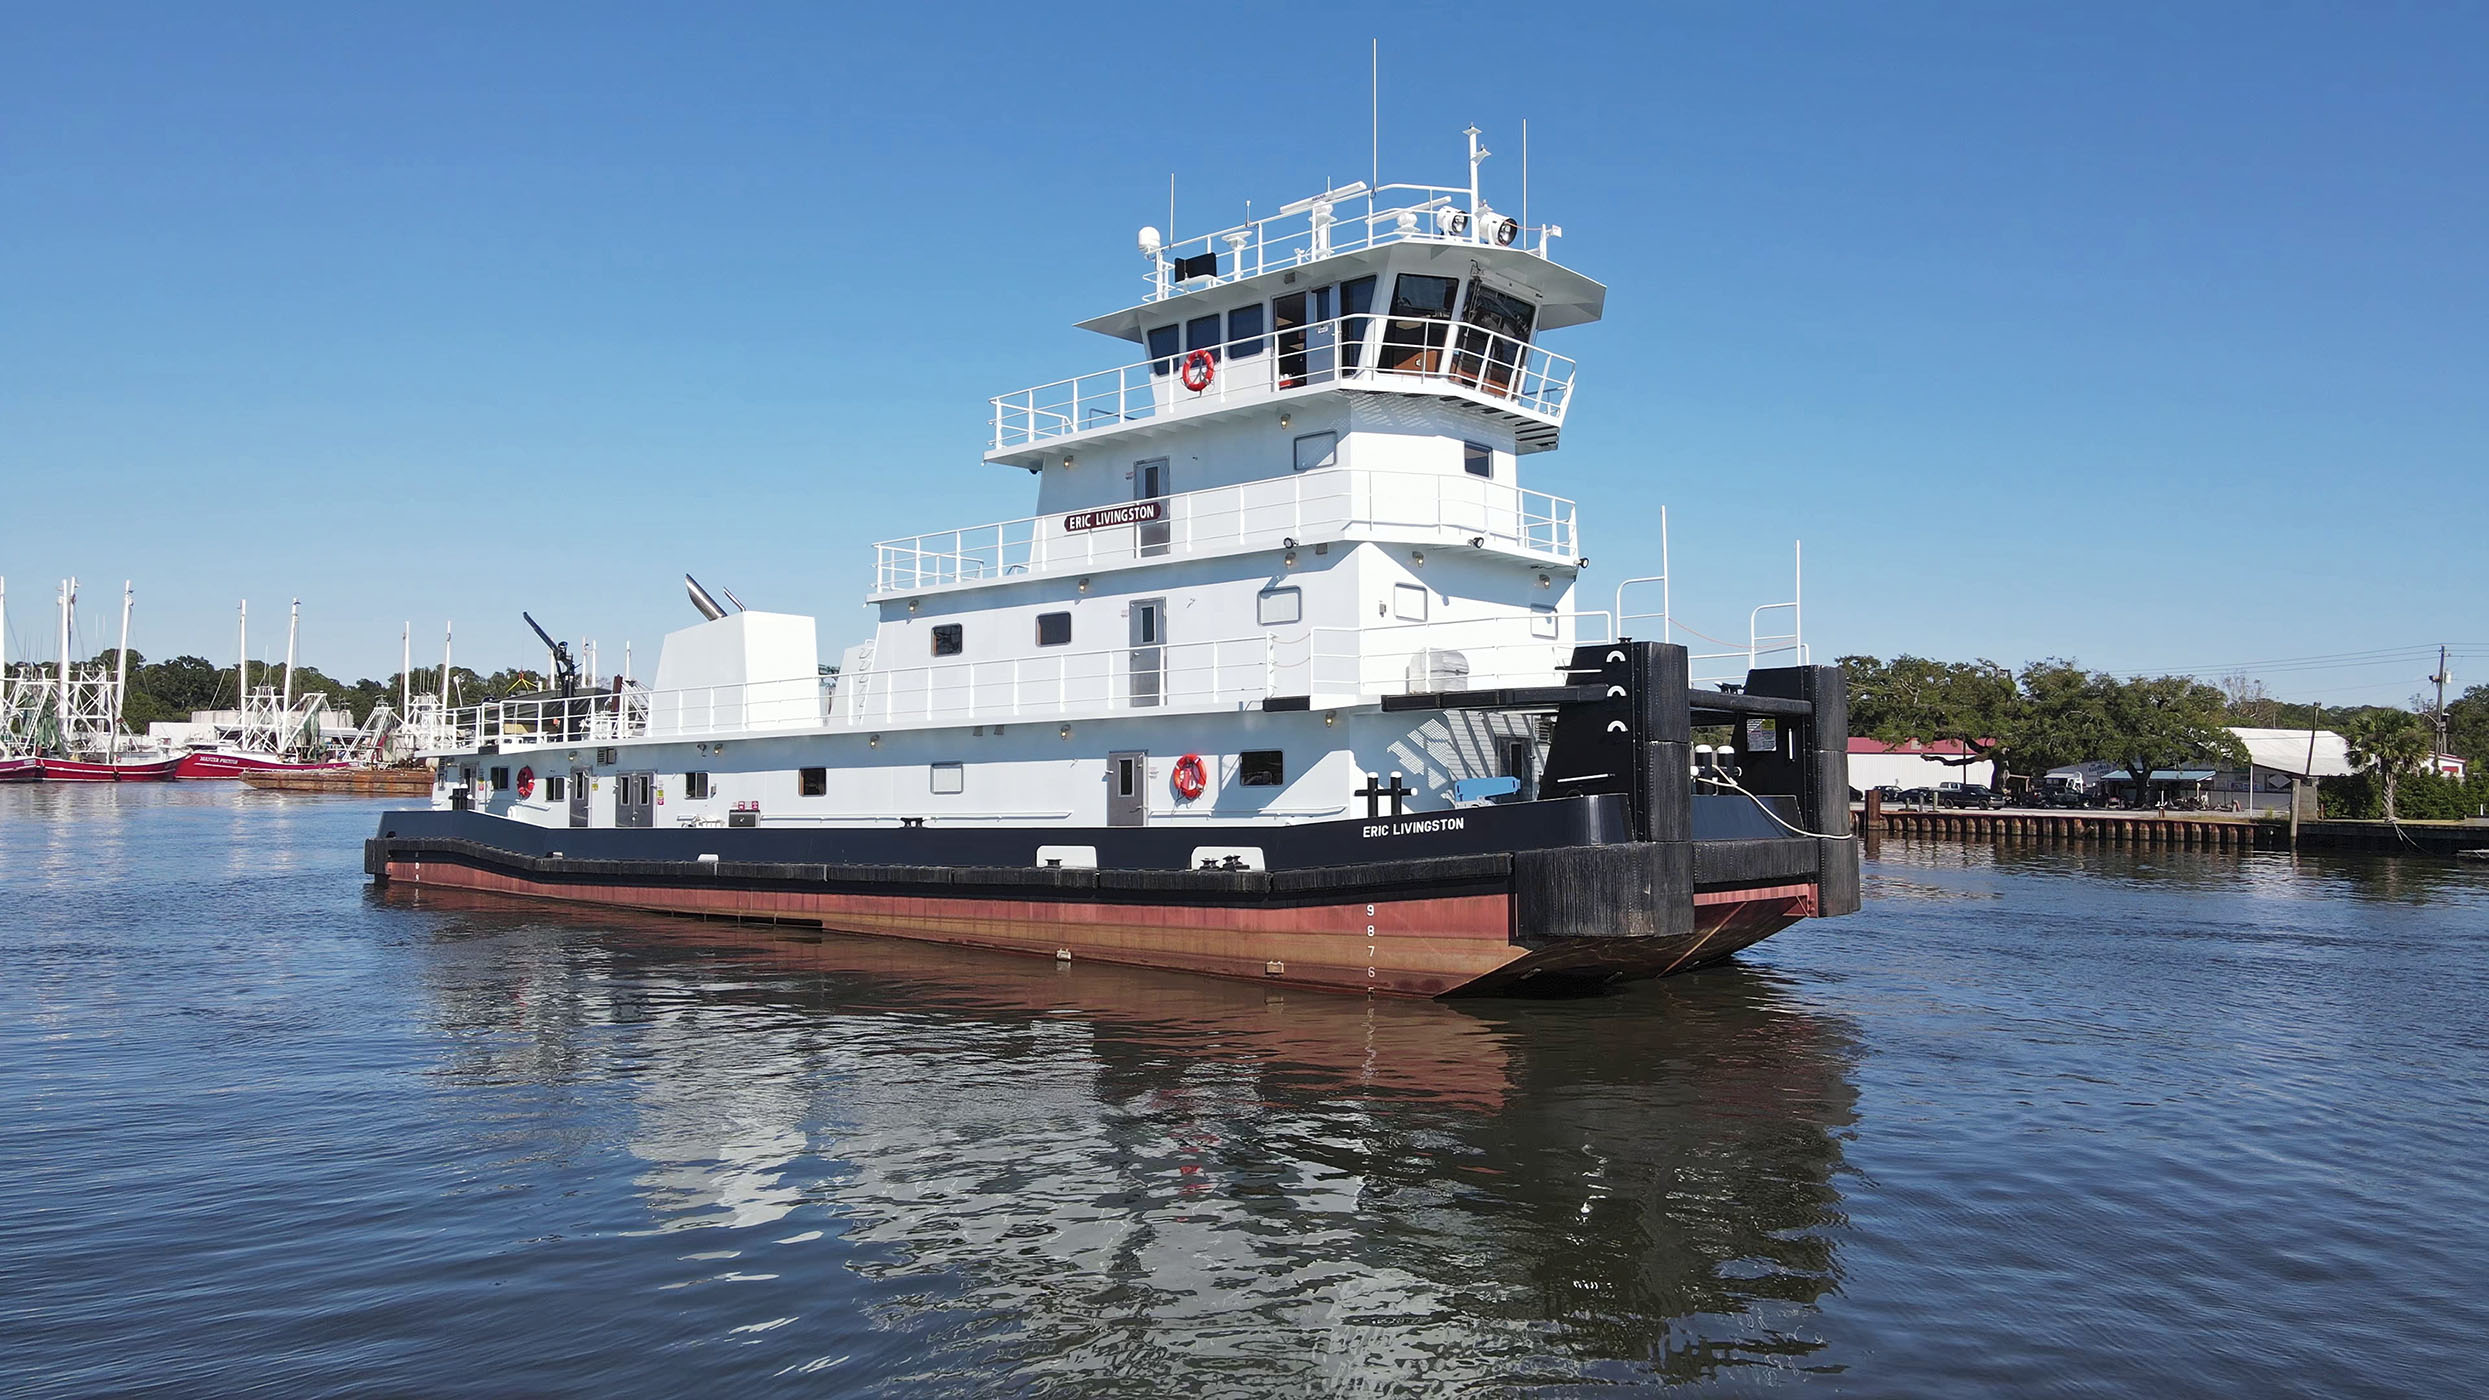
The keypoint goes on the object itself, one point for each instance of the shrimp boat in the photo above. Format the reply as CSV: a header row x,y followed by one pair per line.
x,y
1286,679
271,733
67,728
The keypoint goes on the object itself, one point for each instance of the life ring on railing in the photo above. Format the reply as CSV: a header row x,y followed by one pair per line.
x,y
1203,361
1191,778
527,782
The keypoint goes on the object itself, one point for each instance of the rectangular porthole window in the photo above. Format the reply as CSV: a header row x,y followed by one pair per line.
x,y
1408,602
696,786
1277,607
812,782
1317,450
1054,629
949,779
949,639
1262,768
1477,459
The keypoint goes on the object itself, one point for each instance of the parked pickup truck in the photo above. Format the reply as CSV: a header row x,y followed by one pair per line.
x,y
1963,795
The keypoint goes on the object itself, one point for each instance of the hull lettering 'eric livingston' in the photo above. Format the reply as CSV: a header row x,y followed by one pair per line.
x,y
1286,677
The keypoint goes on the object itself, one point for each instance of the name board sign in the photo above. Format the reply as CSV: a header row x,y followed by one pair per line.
x,y
1137,513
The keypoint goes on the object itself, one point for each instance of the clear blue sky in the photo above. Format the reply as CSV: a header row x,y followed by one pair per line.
x,y
2154,336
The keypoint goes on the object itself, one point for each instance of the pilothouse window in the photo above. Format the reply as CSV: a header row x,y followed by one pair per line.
x,y
949,639
1244,331
1054,629
1202,333
1421,312
1164,342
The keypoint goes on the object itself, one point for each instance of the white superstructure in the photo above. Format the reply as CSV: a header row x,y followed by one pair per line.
x,y
1300,494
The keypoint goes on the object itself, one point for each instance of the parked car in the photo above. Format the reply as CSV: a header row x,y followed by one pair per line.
x,y
2065,797
1964,795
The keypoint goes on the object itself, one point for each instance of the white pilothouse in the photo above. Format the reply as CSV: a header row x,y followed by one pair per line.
x,y
1285,603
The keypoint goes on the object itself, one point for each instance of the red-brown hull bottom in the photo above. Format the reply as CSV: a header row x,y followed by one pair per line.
x,y
209,764
1405,947
75,770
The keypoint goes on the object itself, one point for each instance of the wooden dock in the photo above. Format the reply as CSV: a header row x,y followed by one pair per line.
x,y
353,782
2203,831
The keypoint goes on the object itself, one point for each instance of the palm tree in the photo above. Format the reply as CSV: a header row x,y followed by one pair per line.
x,y
2388,743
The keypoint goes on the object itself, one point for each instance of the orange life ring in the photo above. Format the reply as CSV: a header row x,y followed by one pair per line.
x,y
527,782
1191,778
1203,361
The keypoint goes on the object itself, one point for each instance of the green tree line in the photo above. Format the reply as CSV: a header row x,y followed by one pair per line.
x,y
172,689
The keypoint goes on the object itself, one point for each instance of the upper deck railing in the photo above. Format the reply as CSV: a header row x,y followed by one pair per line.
x,y
1361,352
1331,665
1349,219
1330,503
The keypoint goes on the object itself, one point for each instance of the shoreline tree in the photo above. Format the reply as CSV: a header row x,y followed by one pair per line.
x,y
2390,744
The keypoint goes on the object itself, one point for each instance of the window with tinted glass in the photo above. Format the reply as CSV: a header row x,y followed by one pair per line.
x,y
1244,331
696,786
1317,450
501,780
1054,629
1164,341
949,639
1421,314
553,788
1261,768
1202,333
1477,459
1356,299
812,782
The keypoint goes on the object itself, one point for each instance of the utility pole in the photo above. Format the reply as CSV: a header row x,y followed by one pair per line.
x,y
2440,716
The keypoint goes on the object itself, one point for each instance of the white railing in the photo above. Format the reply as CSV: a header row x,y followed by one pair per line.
x,y
1334,665
1345,220
1326,504
1171,676
1367,352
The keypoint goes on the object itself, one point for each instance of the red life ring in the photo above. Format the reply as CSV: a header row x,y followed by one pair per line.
x,y
1191,778
527,782
1209,367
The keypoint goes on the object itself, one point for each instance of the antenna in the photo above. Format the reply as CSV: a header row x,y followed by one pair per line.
x,y
1525,182
1374,115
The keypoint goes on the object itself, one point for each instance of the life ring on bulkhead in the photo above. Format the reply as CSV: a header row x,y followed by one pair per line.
x,y
1191,778
1199,360
527,782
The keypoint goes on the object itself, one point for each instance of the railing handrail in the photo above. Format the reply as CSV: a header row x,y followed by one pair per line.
x,y
1521,362
1305,506
1347,219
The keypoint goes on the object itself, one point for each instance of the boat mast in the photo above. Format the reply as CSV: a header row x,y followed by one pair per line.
x,y
242,662
406,669
68,600
292,622
120,675
448,631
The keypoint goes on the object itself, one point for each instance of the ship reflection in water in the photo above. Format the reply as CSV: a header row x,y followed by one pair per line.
x,y
1089,1174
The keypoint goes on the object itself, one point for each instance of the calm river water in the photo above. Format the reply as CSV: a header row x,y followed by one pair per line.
x,y
2041,1122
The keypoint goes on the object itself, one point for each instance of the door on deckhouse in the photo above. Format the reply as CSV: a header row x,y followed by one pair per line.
x,y
1149,651
633,804
578,797
1149,483
1127,789
1305,329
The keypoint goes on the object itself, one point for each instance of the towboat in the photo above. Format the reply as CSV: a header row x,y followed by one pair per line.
x,y
1288,677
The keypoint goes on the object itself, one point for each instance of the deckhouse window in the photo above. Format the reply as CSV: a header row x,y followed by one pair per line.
x,y
1356,299
553,788
1261,768
696,787
1421,313
1202,333
1054,629
949,639
1477,459
1164,342
1495,331
1317,450
949,779
1244,331
812,782
1408,602
1277,607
